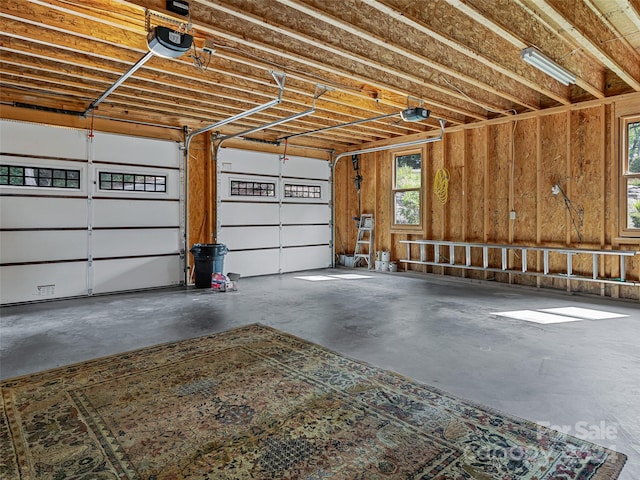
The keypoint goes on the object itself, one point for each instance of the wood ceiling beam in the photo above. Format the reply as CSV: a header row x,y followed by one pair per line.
x,y
587,69
587,31
66,48
178,95
534,79
411,55
339,100
204,22
350,57
131,97
51,34
185,117
156,84
633,12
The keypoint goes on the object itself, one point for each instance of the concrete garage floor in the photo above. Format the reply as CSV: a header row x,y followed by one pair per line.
x,y
581,376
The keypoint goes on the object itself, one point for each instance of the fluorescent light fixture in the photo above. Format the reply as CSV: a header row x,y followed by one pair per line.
x,y
539,60
167,43
414,114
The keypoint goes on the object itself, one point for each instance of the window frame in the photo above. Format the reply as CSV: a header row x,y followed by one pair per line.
x,y
300,191
71,177
401,227
625,229
103,181
251,188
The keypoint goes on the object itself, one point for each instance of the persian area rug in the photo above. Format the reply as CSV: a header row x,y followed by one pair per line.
x,y
256,403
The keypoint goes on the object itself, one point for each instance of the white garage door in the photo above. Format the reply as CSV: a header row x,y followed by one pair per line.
x,y
273,214
82,216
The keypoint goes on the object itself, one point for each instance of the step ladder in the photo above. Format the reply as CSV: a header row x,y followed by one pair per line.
x,y
364,242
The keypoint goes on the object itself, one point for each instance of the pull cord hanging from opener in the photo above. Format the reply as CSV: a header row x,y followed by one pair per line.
x,y
441,185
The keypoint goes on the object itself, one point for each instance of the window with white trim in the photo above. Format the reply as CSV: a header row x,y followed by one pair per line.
x,y
407,190
630,178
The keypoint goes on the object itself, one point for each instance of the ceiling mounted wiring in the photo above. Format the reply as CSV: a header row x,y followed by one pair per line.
x,y
201,59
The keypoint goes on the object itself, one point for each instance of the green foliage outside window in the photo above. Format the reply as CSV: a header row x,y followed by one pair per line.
x,y
635,215
634,147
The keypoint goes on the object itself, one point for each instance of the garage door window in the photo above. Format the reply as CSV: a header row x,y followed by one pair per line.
x,y
131,182
302,191
21,176
253,189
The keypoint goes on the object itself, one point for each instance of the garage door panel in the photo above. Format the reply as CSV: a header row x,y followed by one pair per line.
x,y
306,235
304,213
305,258
48,234
250,237
303,167
118,243
134,273
53,245
135,150
252,263
18,137
298,220
28,283
245,161
135,213
233,213
51,212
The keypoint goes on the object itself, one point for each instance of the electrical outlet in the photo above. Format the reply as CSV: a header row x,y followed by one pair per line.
x,y
512,215
209,47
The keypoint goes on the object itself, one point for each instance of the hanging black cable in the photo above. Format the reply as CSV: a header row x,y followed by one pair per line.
x,y
355,160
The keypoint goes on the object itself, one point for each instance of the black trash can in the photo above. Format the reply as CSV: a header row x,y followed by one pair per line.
x,y
209,259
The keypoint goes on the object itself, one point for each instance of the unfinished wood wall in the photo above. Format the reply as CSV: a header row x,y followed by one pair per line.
x,y
499,168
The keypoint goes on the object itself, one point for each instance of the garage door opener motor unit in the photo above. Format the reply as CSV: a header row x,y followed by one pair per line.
x,y
164,42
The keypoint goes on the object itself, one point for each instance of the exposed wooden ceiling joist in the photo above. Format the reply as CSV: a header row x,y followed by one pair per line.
x,y
584,28
458,58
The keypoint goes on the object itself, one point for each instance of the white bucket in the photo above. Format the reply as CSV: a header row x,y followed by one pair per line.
x,y
378,266
393,267
386,256
384,266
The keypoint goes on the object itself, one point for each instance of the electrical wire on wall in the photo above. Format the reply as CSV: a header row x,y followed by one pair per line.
x,y
441,185
576,214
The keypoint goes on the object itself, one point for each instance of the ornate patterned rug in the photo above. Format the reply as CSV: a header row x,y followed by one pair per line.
x,y
256,403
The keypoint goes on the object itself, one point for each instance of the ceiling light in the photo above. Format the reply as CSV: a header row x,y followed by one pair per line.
x,y
539,60
164,42
414,114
